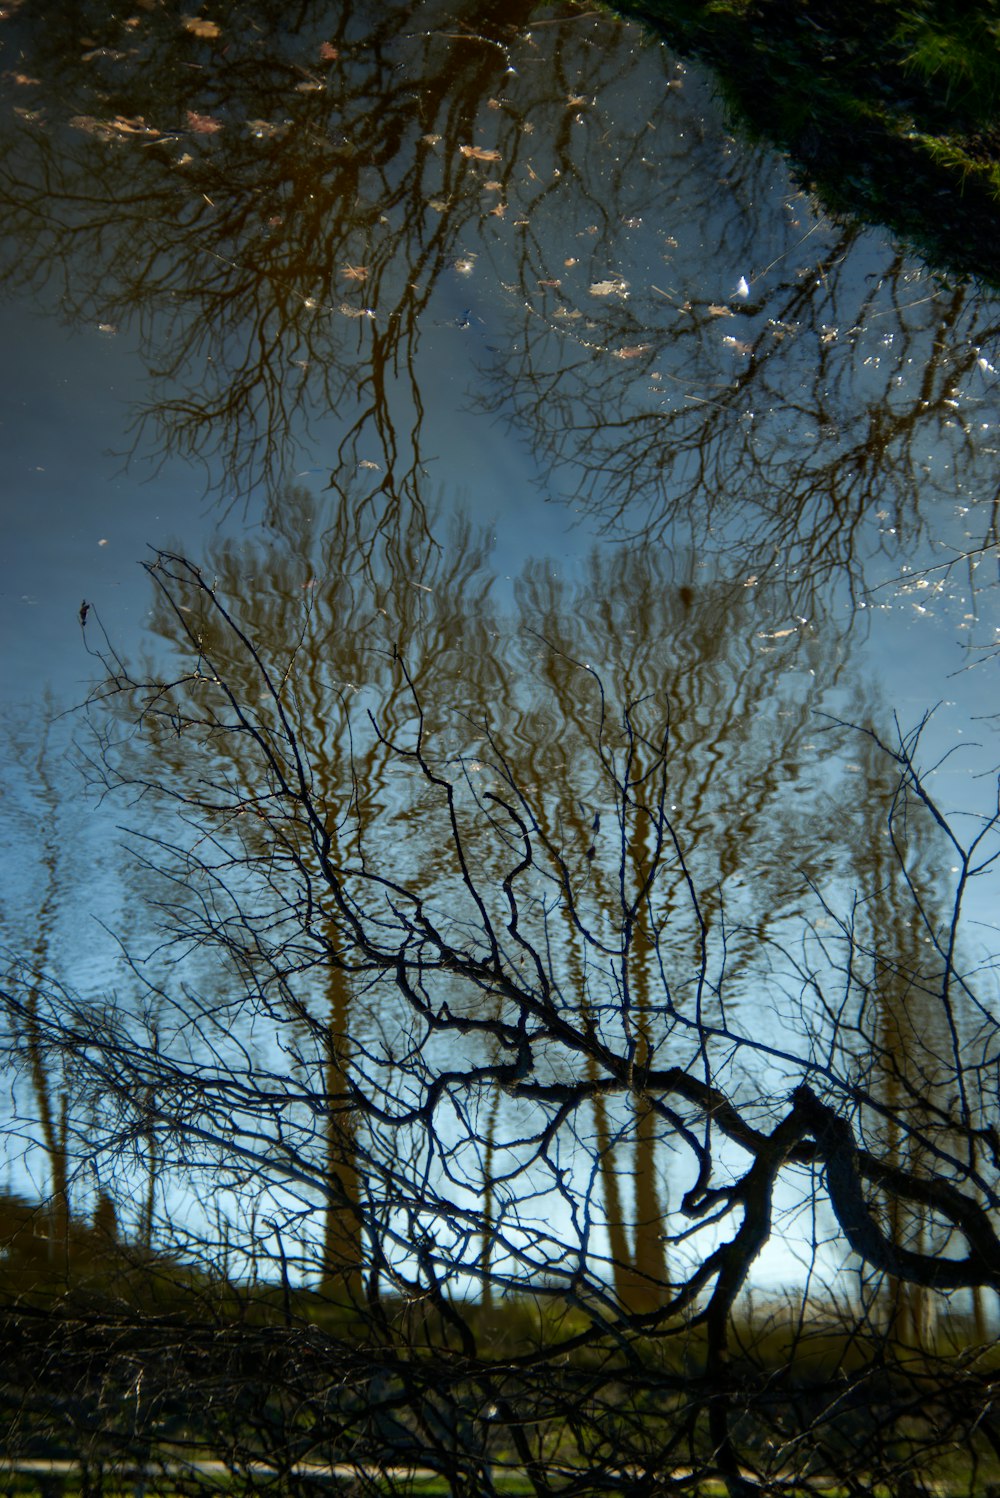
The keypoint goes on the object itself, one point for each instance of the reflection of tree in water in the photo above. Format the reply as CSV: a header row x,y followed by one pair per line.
x,y
328,620
826,409
685,697
919,1044
277,208
689,679
276,205
643,671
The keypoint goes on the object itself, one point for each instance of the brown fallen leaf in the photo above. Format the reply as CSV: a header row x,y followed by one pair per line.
x,y
120,128
354,272
202,124
479,153
198,26
327,52
609,288
632,350
716,309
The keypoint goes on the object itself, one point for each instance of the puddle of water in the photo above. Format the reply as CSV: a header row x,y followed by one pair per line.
x,y
495,347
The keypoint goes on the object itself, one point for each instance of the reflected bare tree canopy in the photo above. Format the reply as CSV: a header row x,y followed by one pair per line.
x,y
519,1002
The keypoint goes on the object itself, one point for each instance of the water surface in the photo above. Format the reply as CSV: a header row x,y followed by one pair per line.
x,y
474,333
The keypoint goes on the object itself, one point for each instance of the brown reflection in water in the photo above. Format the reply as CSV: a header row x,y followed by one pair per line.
x,y
259,248
644,662
273,208
333,630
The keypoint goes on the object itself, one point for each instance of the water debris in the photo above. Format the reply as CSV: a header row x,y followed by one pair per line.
x,y
479,153
203,124
615,286
198,26
121,127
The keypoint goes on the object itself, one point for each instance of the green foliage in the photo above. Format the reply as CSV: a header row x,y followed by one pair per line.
x,y
955,56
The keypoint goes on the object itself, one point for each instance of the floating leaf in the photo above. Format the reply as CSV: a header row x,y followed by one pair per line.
x,y
199,27
632,350
479,153
716,309
431,140
367,463
327,52
202,124
609,288
354,272
119,128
